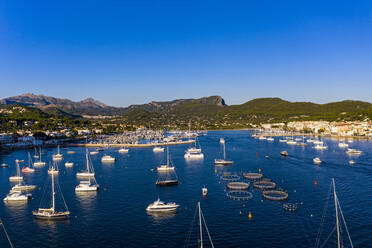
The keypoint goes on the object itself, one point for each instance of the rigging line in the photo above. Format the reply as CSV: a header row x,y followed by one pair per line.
x,y
6,234
323,217
191,227
63,198
325,242
343,219
206,228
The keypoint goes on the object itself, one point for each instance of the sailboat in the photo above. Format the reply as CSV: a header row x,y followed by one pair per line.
x,y
339,219
194,152
6,234
35,153
220,161
165,177
54,169
57,156
201,222
89,172
18,177
28,169
40,162
51,213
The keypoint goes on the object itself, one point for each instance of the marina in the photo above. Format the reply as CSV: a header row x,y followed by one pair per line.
x,y
298,192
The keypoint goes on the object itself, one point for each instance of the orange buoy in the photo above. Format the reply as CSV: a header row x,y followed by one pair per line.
x,y
315,182
250,215
259,170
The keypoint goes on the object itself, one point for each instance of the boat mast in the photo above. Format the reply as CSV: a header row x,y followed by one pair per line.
x,y
53,198
18,170
200,227
167,155
40,153
337,222
224,151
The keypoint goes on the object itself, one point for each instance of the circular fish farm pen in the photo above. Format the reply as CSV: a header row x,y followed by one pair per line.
x,y
238,195
252,176
264,185
290,207
275,195
230,177
238,186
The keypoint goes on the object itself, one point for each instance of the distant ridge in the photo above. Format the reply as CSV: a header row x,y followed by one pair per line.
x,y
205,108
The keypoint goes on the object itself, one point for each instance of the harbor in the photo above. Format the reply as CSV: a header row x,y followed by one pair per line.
x,y
260,191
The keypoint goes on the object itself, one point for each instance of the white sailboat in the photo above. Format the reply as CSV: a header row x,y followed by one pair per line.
x,y
40,162
167,167
223,161
51,213
194,152
18,177
53,169
16,196
35,153
58,155
89,172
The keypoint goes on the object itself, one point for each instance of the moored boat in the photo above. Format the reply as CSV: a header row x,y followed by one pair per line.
x,y
159,206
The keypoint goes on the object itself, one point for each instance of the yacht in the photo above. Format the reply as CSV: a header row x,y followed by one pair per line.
x,y
223,161
23,187
351,162
85,186
69,164
40,162
18,177
108,158
298,139
89,172
16,196
262,138
318,142
4,165
291,142
28,169
352,151
310,140
317,161
123,150
158,149
283,141
270,139
284,153
222,140
51,213
159,206
57,156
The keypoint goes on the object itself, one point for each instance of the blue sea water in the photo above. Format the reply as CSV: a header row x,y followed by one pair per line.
x,y
116,216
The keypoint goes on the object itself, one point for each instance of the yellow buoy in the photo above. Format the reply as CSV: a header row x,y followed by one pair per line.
x,y
250,215
259,170
215,170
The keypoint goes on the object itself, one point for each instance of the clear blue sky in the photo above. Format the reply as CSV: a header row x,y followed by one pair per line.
x,y
130,52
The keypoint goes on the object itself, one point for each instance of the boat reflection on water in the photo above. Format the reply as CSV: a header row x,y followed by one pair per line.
x,y
160,216
86,198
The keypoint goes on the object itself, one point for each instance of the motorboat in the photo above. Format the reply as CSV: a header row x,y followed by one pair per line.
x,y
18,177
352,151
158,149
70,152
16,196
204,191
94,152
317,161
69,164
343,145
283,141
108,158
222,140
291,142
284,153
123,150
318,142
351,162
310,140
51,213
223,161
270,139
4,165
298,139
159,206
165,168
28,169
262,138
85,186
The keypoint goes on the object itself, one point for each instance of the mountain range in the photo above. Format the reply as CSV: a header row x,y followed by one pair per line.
x,y
206,107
